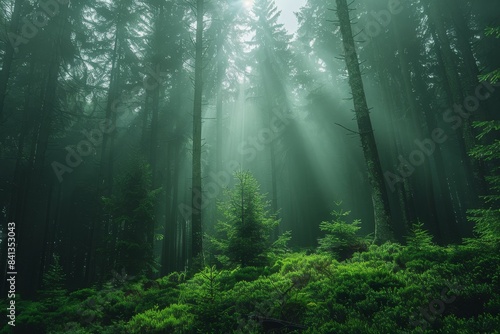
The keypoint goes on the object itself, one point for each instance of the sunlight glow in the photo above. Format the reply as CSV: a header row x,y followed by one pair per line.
x,y
248,4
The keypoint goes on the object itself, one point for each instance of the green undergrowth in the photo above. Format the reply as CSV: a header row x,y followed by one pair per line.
x,y
416,288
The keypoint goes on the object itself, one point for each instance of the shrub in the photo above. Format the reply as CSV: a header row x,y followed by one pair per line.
x,y
175,319
341,237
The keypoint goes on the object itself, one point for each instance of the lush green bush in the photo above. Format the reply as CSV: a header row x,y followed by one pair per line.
x,y
175,319
341,238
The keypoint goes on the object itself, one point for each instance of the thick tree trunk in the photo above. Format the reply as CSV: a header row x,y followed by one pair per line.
x,y
196,195
383,223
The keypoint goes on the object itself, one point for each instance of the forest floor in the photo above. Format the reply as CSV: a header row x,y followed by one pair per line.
x,y
416,288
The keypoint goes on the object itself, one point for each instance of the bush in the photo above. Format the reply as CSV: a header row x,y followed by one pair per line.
x,y
341,237
175,319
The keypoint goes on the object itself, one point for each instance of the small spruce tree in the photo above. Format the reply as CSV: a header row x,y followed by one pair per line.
x,y
53,291
341,238
246,228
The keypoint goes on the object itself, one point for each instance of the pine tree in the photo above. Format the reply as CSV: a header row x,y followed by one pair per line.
x,y
487,219
131,212
383,223
246,224
340,238
270,64
196,190
53,290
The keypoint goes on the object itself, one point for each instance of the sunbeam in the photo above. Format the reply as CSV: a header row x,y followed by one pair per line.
x,y
248,4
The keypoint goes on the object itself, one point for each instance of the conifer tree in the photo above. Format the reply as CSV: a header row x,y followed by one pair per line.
x,y
487,219
196,190
131,211
246,224
383,224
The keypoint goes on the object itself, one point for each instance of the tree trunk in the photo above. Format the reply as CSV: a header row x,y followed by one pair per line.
x,y
105,182
155,104
383,224
176,248
196,195
168,231
219,103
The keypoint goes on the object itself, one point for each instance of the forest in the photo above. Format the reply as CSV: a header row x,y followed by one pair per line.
x,y
201,166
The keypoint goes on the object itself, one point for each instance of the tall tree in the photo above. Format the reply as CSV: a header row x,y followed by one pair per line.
x,y
271,64
196,191
456,97
132,210
383,222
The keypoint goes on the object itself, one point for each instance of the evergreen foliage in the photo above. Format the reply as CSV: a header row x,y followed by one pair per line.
x,y
246,225
487,219
54,279
193,89
419,239
131,213
494,75
341,237
369,293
